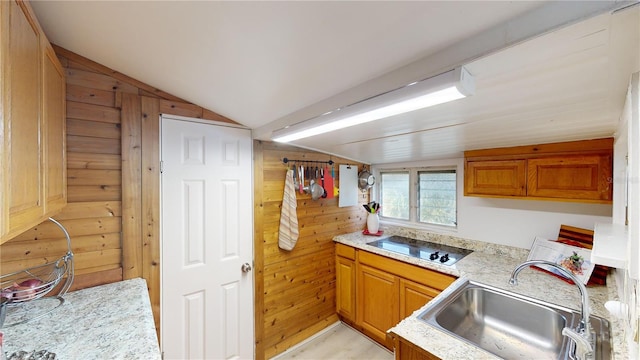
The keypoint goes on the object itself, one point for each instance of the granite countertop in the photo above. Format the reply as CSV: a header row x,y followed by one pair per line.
x,y
489,264
111,321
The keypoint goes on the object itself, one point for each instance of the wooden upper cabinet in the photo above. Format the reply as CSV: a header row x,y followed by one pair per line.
x,y
26,135
498,177
580,171
22,121
387,290
53,114
575,177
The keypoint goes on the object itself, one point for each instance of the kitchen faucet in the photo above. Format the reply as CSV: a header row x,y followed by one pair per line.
x,y
582,334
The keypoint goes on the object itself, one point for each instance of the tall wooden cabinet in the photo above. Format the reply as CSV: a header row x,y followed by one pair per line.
x,y
375,292
33,123
578,171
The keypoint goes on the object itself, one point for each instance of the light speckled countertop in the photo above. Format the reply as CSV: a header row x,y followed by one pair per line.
x,y
111,321
489,264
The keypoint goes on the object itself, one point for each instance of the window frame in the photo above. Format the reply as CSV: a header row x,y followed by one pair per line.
x,y
413,170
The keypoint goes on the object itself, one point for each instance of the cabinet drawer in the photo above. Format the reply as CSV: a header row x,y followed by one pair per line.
x,y
345,251
414,273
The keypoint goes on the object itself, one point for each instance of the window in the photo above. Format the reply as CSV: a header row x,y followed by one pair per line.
x,y
437,197
419,195
394,193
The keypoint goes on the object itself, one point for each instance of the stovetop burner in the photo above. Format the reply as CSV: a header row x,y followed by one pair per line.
x,y
444,254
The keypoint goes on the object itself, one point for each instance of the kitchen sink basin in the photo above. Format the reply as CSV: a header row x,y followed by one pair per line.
x,y
509,325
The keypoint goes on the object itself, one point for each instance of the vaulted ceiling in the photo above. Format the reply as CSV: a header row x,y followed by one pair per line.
x,y
544,71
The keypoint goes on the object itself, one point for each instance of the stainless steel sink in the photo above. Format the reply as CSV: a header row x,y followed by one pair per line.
x,y
509,325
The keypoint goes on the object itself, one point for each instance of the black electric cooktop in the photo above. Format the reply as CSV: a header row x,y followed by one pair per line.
x,y
444,254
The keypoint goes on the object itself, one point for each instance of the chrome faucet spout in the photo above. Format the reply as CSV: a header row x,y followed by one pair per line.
x,y
583,327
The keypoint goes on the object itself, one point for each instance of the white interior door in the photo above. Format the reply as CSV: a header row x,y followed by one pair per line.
x,y
207,238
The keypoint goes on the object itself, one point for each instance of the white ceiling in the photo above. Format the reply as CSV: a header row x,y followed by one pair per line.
x,y
269,64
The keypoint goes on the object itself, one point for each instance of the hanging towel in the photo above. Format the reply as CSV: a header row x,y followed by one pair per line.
x,y
288,235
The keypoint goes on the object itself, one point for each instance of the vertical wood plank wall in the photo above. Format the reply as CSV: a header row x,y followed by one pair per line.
x,y
295,290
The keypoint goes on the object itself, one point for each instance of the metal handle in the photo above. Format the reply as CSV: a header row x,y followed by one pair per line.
x,y
246,267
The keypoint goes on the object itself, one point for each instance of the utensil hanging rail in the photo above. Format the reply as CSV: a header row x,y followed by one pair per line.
x,y
286,160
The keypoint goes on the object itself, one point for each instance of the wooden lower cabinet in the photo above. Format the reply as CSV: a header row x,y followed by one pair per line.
x,y
405,350
413,296
374,292
377,303
346,288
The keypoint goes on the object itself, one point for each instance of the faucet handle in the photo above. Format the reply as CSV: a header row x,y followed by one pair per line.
x,y
584,348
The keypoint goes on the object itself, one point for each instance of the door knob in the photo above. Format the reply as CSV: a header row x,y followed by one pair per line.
x,y
246,267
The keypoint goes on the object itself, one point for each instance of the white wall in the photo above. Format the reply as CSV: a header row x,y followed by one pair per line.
x,y
518,222
508,221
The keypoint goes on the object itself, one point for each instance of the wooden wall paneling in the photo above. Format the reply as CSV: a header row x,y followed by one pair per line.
x,y
98,81
297,296
94,177
95,277
75,65
88,95
90,209
92,128
52,248
78,110
95,242
180,108
132,192
77,160
75,227
83,193
297,319
150,108
258,262
146,93
92,145
89,259
63,60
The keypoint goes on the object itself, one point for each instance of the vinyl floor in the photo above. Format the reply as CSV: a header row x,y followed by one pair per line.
x,y
341,342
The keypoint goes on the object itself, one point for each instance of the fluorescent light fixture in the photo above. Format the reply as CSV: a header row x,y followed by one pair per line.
x,y
448,86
